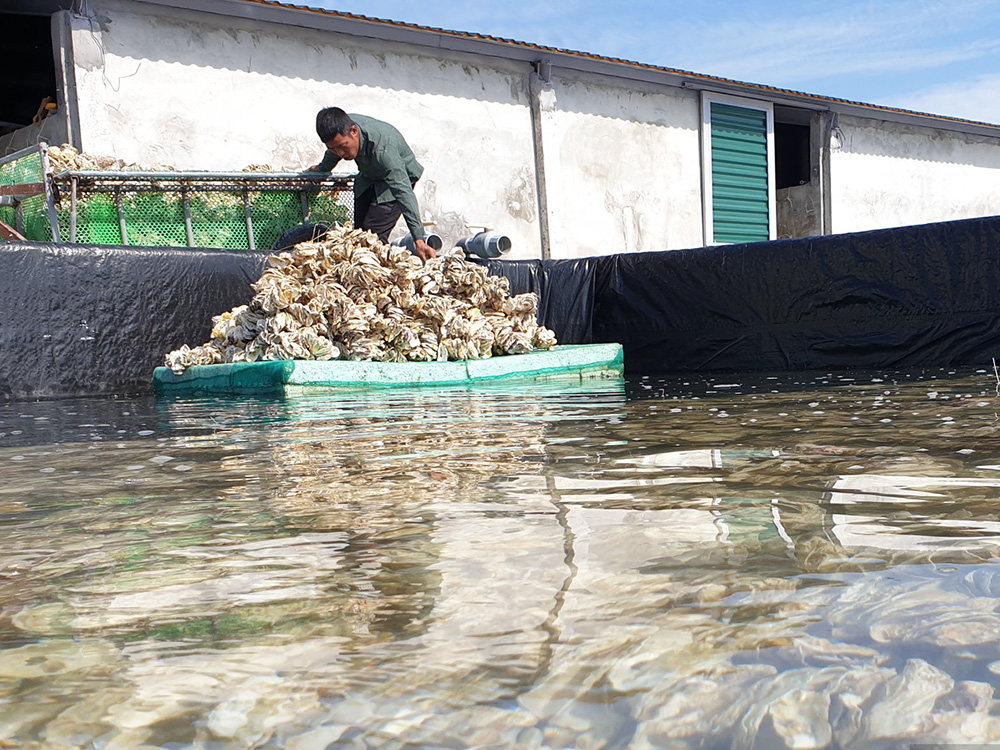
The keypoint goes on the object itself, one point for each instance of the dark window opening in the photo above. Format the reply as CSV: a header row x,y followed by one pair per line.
x,y
791,155
29,69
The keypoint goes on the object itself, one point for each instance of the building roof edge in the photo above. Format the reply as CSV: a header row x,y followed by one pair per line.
x,y
469,42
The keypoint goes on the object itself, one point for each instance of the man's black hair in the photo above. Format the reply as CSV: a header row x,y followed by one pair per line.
x,y
332,121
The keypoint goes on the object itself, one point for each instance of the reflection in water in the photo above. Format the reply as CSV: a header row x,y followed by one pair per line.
x,y
789,561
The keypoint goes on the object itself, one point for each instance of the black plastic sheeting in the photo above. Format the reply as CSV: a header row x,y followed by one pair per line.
x,y
926,295
82,320
565,289
86,319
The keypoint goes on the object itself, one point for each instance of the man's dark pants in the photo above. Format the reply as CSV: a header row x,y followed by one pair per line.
x,y
379,218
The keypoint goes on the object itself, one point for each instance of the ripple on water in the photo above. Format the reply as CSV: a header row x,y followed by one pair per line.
x,y
790,560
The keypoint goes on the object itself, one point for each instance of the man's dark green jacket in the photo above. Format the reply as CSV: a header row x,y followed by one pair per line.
x,y
386,163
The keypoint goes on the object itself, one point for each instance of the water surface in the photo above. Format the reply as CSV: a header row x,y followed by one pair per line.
x,y
799,560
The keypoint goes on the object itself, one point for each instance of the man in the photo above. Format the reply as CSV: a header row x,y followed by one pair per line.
x,y
387,172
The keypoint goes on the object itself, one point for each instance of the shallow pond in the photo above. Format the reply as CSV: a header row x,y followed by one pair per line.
x,y
799,560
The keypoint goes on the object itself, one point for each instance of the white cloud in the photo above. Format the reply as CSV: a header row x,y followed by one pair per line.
x,y
759,40
850,49
840,39
977,99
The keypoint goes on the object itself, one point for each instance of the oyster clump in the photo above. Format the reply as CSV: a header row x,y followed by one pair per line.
x,y
66,157
349,296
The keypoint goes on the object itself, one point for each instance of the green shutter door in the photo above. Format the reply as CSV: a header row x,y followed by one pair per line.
x,y
739,174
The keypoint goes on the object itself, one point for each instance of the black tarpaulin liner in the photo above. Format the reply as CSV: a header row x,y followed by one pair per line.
x,y
80,319
926,295
565,290
87,319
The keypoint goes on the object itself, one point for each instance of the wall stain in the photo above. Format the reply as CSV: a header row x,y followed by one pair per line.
x,y
519,196
518,89
294,153
625,210
449,224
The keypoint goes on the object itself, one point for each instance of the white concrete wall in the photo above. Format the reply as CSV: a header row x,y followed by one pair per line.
x,y
621,158
180,90
196,91
622,167
887,174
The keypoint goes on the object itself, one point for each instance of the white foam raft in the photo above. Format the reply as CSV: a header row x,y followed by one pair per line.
x,y
587,361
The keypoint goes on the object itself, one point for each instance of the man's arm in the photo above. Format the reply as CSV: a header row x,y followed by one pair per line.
x,y
399,183
330,160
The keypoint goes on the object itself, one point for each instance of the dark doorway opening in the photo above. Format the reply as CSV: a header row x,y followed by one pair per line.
x,y
799,191
27,58
792,166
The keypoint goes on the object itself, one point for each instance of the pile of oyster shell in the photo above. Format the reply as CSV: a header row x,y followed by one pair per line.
x,y
349,296
66,157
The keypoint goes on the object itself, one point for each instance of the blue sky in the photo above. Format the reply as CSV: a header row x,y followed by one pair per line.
x,y
935,56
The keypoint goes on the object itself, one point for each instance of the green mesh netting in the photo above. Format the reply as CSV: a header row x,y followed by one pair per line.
x,y
273,213
23,171
96,222
219,220
328,208
155,218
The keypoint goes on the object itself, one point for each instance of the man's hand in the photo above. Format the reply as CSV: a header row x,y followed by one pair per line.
x,y
424,251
